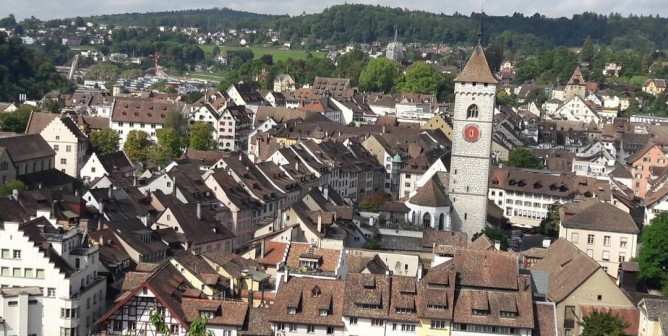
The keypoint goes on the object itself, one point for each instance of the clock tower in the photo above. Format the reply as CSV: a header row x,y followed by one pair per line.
x,y
475,97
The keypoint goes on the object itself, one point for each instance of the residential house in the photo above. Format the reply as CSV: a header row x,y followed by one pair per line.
x,y
140,114
201,227
653,317
168,292
305,306
654,86
99,165
235,124
419,170
29,153
366,303
284,82
576,109
7,168
50,277
275,99
245,275
643,162
575,279
436,302
332,87
606,233
243,94
139,242
70,144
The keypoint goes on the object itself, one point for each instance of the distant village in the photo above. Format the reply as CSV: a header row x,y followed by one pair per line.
x,y
273,233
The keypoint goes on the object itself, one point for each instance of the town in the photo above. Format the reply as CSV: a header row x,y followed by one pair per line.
x,y
139,196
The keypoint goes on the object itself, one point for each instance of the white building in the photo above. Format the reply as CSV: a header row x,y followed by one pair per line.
x,y
50,281
138,114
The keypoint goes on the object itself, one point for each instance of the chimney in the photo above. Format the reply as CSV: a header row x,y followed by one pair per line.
x,y
101,210
262,248
296,165
199,210
285,216
286,273
319,223
383,130
325,191
109,192
134,181
240,156
53,209
497,245
174,185
279,219
101,240
15,194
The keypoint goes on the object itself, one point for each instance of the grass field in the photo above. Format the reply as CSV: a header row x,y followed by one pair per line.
x,y
278,54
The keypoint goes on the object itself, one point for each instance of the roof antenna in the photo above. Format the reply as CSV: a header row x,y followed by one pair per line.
x,y
482,13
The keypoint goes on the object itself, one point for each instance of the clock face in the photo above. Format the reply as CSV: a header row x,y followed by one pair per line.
x,y
471,133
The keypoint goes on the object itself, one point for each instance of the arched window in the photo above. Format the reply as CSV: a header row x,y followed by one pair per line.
x,y
426,220
441,222
472,112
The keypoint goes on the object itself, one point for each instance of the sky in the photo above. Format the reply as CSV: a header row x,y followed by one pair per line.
x,y
50,9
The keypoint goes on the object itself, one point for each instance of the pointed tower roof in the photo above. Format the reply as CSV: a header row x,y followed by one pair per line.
x,y
477,69
431,194
576,78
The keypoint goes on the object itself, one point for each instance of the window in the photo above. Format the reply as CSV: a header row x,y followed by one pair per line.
x,y
590,239
57,137
330,330
605,256
4,271
174,328
437,324
50,292
292,310
575,237
68,148
63,161
353,321
622,242
472,112
599,297
323,312
55,148
376,322
16,272
508,314
310,329
622,257
28,273
132,124
280,326
606,240
5,253
394,326
118,325
292,327
408,327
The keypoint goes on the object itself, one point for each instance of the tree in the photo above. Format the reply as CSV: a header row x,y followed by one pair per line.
x,y
550,225
653,255
137,145
537,96
103,71
375,201
494,234
600,323
192,97
373,242
79,21
379,75
503,98
104,141
178,122
53,105
198,327
17,121
132,73
201,136
523,158
421,77
158,322
267,59
587,53
9,188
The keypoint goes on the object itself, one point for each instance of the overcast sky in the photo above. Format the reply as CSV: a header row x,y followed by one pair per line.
x,y
49,9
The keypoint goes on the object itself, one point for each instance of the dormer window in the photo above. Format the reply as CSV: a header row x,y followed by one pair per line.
x,y
315,292
323,312
480,312
292,310
206,313
437,307
508,314
405,311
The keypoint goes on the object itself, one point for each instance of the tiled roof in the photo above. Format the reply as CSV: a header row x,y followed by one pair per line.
x,y
477,69
367,289
232,263
300,293
576,78
141,110
597,216
568,266
438,237
258,323
495,302
116,161
544,319
436,290
26,147
273,253
329,257
403,296
39,120
431,194
199,230
490,269
630,315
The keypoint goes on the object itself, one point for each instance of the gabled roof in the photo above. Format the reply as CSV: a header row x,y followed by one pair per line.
x,y
431,194
329,257
367,289
26,147
199,230
299,293
39,120
577,78
477,69
116,161
569,268
487,269
597,216
36,230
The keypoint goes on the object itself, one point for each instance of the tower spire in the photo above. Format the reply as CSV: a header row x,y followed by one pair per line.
x,y
396,29
482,13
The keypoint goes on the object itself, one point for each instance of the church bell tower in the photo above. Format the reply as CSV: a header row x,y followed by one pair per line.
x,y
475,99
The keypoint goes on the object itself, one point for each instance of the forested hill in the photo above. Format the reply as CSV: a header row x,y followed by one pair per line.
x,y
367,23
208,20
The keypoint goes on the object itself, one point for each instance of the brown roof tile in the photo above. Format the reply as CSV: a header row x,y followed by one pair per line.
x,y
299,293
491,269
329,257
477,69
597,216
140,110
